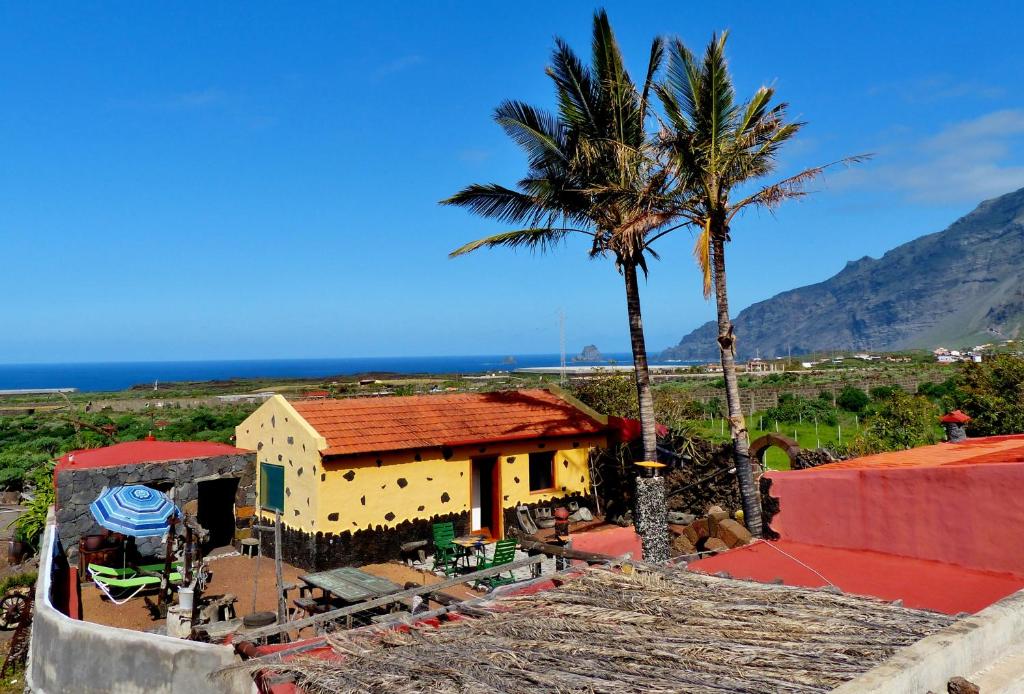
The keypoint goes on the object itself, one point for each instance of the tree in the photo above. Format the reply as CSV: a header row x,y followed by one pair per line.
x,y
992,393
852,399
716,145
591,174
901,421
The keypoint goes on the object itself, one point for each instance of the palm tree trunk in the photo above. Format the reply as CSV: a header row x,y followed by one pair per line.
x,y
645,396
649,498
737,425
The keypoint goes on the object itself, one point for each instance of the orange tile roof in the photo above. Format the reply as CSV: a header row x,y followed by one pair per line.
x,y
989,449
374,425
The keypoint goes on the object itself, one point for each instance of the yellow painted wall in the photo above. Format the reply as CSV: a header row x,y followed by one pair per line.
x,y
358,493
281,437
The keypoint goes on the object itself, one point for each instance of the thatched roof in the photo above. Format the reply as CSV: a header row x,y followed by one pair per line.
x,y
607,631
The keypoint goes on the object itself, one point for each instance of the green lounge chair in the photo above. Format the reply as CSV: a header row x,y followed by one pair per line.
x,y
446,552
504,553
110,580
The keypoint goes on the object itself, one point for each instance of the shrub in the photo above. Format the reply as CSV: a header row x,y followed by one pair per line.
x,y
853,399
902,421
793,408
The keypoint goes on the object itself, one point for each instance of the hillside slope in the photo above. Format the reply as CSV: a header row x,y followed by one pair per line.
x,y
961,285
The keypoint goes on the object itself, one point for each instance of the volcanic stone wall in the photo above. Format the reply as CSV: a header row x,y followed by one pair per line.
x,y
76,489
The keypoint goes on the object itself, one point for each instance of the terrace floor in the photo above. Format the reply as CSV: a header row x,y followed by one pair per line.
x,y
237,575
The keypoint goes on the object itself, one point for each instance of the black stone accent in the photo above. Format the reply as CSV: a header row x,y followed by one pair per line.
x,y
384,486
323,476
362,500
350,475
516,479
298,472
446,452
583,479
291,440
332,516
273,421
445,498
430,479
420,508
511,459
769,509
319,551
287,491
280,458
566,464
402,482
389,516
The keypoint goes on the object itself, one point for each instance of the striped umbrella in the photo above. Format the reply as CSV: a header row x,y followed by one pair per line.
x,y
134,510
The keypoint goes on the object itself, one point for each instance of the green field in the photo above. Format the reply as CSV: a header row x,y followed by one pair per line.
x,y
805,433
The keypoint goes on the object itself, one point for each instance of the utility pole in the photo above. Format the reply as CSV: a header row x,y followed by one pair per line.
x,y
561,340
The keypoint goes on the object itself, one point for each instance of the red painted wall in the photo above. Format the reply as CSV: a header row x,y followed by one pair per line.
x,y
969,515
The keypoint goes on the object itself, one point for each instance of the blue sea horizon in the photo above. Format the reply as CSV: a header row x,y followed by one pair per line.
x,y
113,376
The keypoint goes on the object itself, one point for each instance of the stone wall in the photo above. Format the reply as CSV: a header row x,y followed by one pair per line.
x,y
320,551
76,489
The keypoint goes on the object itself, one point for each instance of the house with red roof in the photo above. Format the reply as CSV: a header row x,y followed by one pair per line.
x,y
351,480
214,481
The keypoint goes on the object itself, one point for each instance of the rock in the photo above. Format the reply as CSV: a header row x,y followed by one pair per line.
x,y
697,530
716,514
713,544
958,685
682,545
680,518
732,533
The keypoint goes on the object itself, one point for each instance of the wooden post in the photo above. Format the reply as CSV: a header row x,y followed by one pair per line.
x,y
281,606
165,580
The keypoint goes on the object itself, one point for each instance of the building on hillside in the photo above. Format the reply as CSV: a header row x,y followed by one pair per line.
x,y
354,479
214,481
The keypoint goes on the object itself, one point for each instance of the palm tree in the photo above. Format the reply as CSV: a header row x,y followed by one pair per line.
x,y
591,173
715,146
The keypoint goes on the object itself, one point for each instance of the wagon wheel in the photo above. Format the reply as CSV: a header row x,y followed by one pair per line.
x,y
11,608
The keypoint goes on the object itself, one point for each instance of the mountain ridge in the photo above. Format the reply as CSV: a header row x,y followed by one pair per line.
x,y
958,285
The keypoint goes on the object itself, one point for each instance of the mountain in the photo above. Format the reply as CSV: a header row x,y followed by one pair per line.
x,y
959,286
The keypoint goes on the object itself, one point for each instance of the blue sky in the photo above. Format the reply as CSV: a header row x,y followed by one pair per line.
x,y
246,180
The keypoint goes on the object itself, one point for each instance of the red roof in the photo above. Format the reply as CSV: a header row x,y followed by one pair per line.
x,y
132,452
373,425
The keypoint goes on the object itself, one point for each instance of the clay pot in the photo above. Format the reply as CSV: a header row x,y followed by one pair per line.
x,y
94,542
561,513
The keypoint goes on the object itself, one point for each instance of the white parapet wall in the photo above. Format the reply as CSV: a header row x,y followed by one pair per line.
x,y
965,647
70,655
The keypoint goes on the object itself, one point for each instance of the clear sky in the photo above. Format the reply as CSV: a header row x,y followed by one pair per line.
x,y
236,180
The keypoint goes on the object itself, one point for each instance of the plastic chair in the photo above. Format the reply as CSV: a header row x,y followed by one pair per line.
x,y
504,553
445,550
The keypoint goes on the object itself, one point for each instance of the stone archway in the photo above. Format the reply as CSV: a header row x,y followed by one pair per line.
x,y
790,447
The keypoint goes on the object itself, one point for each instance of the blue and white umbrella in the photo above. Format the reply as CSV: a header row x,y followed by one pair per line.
x,y
134,510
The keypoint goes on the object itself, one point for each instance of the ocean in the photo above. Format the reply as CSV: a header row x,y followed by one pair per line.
x,y
91,377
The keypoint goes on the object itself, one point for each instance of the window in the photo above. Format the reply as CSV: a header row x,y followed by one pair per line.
x,y
272,487
542,471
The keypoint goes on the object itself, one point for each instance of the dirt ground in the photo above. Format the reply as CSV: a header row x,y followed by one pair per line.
x,y
236,575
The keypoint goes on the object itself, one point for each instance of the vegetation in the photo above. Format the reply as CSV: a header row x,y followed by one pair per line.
x,y
899,422
992,393
793,408
716,146
853,399
591,174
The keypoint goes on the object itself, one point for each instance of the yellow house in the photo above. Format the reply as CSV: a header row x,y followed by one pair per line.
x,y
353,479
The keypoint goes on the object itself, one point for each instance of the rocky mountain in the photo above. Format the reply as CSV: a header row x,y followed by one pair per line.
x,y
959,286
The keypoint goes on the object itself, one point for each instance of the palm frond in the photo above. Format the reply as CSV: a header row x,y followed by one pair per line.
x,y
771,196
495,201
702,254
539,239
537,132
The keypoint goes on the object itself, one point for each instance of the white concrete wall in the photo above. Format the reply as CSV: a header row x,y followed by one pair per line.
x,y
961,649
68,655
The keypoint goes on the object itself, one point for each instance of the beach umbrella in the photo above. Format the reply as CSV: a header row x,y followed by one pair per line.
x,y
134,510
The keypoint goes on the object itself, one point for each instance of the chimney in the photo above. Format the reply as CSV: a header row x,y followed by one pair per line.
x,y
955,425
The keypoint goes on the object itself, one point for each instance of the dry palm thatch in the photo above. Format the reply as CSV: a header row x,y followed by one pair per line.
x,y
605,631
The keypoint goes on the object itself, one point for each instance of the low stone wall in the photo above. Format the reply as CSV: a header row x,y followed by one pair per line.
x,y
321,551
963,648
68,655
76,489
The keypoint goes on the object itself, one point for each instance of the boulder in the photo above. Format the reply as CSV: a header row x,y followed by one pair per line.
x,y
958,685
680,518
713,544
732,533
697,530
682,545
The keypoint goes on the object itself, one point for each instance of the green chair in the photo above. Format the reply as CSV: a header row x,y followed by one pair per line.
x,y
504,553
446,552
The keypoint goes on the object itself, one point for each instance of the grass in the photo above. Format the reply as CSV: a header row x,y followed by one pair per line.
x,y
805,433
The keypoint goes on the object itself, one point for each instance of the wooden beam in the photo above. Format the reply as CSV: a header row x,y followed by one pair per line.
x,y
334,615
564,552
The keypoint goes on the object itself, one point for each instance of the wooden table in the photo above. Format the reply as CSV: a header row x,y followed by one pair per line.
x,y
350,585
471,542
